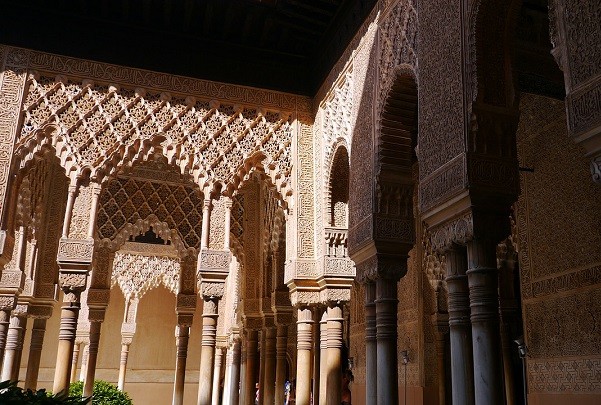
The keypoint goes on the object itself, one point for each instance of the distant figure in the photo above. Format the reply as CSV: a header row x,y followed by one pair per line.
x,y
347,378
291,394
256,393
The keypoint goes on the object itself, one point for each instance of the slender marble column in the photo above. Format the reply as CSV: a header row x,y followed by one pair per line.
x,y
242,387
66,339
280,367
14,348
84,361
316,366
371,352
251,367
182,335
323,364
303,356
76,350
462,368
507,366
484,304
334,384
232,374
217,376
270,365
386,340
440,346
92,350
35,353
207,353
4,326
125,343
261,364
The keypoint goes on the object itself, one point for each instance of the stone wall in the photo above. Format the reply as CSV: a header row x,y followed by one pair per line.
x,y
559,240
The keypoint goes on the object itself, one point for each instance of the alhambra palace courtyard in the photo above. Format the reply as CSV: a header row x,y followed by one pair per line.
x,y
242,201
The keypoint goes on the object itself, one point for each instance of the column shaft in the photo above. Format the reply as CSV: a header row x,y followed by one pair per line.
x,y
371,353
4,326
261,364
334,383
35,353
123,364
14,348
92,356
66,340
251,367
484,304
323,364
217,376
462,369
303,357
76,350
440,345
182,335
280,366
207,353
84,362
386,338
232,374
270,365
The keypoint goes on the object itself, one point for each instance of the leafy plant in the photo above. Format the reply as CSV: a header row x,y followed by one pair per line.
x,y
104,393
11,394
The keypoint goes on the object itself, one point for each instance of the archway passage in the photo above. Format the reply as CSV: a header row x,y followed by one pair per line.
x,y
398,131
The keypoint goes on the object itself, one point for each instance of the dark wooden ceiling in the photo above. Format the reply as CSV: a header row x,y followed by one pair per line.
x,y
287,45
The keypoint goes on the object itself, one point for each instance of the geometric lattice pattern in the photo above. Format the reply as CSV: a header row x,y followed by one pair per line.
x,y
102,124
126,200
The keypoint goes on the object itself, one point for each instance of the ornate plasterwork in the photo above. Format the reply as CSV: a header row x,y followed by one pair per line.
x,y
100,127
136,274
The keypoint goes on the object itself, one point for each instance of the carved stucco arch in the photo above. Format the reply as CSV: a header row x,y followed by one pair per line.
x,y
340,156
105,250
97,129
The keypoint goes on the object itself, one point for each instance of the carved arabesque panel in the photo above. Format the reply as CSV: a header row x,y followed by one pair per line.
x,y
136,274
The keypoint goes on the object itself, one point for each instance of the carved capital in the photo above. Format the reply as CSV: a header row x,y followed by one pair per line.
x,y
384,266
335,295
304,297
72,281
8,302
40,311
186,303
212,289
75,252
459,230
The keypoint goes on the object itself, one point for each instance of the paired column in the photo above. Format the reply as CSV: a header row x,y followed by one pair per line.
x,y
323,363
334,382
92,356
484,304
217,375
232,374
207,353
303,357
371,352
386,340
460,335
280,366
14,348
68,328
4,326
182,335
76,352
35,353
270,366
128,330
251,367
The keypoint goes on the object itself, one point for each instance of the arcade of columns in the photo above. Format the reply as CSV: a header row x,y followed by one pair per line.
x,y
261,200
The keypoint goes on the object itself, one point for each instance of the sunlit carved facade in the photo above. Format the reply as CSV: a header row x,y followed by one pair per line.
x,y
409,222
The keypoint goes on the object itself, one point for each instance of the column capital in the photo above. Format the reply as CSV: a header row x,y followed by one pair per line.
x,y
382,266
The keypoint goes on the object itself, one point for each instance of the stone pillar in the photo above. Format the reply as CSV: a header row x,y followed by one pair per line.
x,y
459,328
125,343
4,326
232,374
76,351
206,213
35,353
84,360
14,348
261,364
72,285
251,367
484,303
217,376
92,351
386,340
207,353
280,367
317,356
304,345
371,353
323,364
335,328
507,367
242,398
182,335
441,327
270,366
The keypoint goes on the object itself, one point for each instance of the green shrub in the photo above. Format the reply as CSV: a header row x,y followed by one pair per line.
x,y
104,393
10,394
